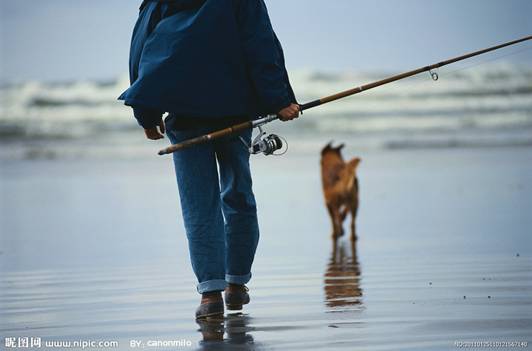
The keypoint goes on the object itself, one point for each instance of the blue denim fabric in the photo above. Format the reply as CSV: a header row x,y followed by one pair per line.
x,y
219,209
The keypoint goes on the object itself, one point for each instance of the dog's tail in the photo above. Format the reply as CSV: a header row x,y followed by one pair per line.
x,y
351,168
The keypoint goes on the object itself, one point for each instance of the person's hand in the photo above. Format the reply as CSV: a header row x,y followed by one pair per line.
x,y
289,113
155,133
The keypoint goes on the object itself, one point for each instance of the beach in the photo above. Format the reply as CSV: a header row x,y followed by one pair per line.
x,y
430,101
93,248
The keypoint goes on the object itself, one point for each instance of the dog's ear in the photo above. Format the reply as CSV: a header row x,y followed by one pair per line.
x,y
340,147
327,147
354,162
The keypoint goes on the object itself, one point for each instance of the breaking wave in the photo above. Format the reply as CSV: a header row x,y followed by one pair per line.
x,y
488,99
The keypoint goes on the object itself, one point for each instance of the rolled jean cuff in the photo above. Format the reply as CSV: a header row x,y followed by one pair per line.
x,y
211,285
238,279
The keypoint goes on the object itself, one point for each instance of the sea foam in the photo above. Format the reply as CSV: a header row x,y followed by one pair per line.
x,y
491,97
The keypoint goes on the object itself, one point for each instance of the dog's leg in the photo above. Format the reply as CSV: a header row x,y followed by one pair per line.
x,y
331,214
345,211
354,210
335,219
339,222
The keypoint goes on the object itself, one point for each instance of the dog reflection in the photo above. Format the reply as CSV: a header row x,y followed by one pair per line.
x,y
235,326
342,277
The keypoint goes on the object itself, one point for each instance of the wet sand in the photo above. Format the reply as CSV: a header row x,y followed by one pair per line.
x,y
94,249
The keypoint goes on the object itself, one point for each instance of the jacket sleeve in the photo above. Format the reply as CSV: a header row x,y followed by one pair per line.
x,y
264,56
149,16
147,117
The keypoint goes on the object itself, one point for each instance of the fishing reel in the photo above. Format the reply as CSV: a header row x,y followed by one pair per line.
x,y
266,144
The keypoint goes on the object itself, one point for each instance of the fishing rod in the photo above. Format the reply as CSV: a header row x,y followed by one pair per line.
x,y
269,144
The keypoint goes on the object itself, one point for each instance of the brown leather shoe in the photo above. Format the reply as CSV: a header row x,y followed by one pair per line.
x,y
212,306
236,296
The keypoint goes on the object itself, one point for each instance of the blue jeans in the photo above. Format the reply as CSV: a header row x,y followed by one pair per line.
x,y
219,209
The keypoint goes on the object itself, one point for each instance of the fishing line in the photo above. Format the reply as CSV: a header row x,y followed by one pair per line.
x,y
422,79
517,52
271,143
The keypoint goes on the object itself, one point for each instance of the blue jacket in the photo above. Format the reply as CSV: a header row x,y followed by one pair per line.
x,y
205,59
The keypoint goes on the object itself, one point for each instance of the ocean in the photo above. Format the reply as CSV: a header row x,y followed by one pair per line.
x,y
486,105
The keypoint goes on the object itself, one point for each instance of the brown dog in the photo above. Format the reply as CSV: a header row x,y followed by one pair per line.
x,y
340,187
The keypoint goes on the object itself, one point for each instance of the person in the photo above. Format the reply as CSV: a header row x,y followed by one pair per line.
x,y
210,64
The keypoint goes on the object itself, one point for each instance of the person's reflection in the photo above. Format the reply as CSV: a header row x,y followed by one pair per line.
x,y
235,326
342,276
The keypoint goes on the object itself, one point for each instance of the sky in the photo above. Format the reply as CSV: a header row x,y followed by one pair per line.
x,y
60,40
